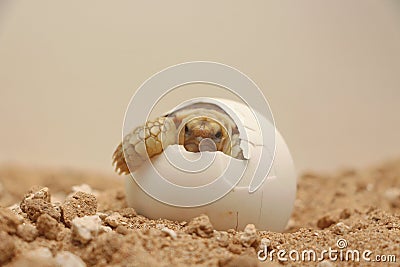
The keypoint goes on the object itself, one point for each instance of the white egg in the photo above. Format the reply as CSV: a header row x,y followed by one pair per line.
x,y
268,206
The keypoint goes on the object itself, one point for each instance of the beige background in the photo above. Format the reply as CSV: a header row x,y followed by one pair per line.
x,y
330,70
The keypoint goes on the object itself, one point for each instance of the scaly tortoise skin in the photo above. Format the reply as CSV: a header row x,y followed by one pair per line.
x,y
187,126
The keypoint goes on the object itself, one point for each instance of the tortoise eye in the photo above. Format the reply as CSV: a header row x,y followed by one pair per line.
x,y
218,134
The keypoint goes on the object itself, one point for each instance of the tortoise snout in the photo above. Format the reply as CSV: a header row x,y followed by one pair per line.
x,y
201,133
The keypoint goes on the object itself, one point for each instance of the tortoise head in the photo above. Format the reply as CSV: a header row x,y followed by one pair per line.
x,y
198,129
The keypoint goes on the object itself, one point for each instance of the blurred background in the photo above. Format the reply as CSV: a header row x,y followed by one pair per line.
x,y
329,69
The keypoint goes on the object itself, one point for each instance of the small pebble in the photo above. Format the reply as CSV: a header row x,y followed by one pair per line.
x,y
325,222
41,256
265,242
160,226
235,248
36,202
102,215
123,230
392,193
370,187
223,238
82,188
249,235
128,213
48,227
170,232
105,229
393,196
78,205
340,228
68,259
85,228
200,226
114,219
38,192
9,221
27,232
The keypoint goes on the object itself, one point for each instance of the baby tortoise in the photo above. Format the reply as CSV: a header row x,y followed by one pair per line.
x,y
187,126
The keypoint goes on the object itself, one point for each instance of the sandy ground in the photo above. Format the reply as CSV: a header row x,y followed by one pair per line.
x,y
61,222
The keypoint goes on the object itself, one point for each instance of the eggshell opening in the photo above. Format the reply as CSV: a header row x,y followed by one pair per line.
x,y
242,116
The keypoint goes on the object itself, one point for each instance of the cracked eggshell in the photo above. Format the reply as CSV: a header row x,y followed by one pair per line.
x,y
268,208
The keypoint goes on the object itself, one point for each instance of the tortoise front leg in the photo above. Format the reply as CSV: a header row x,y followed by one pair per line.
x,y
142,143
